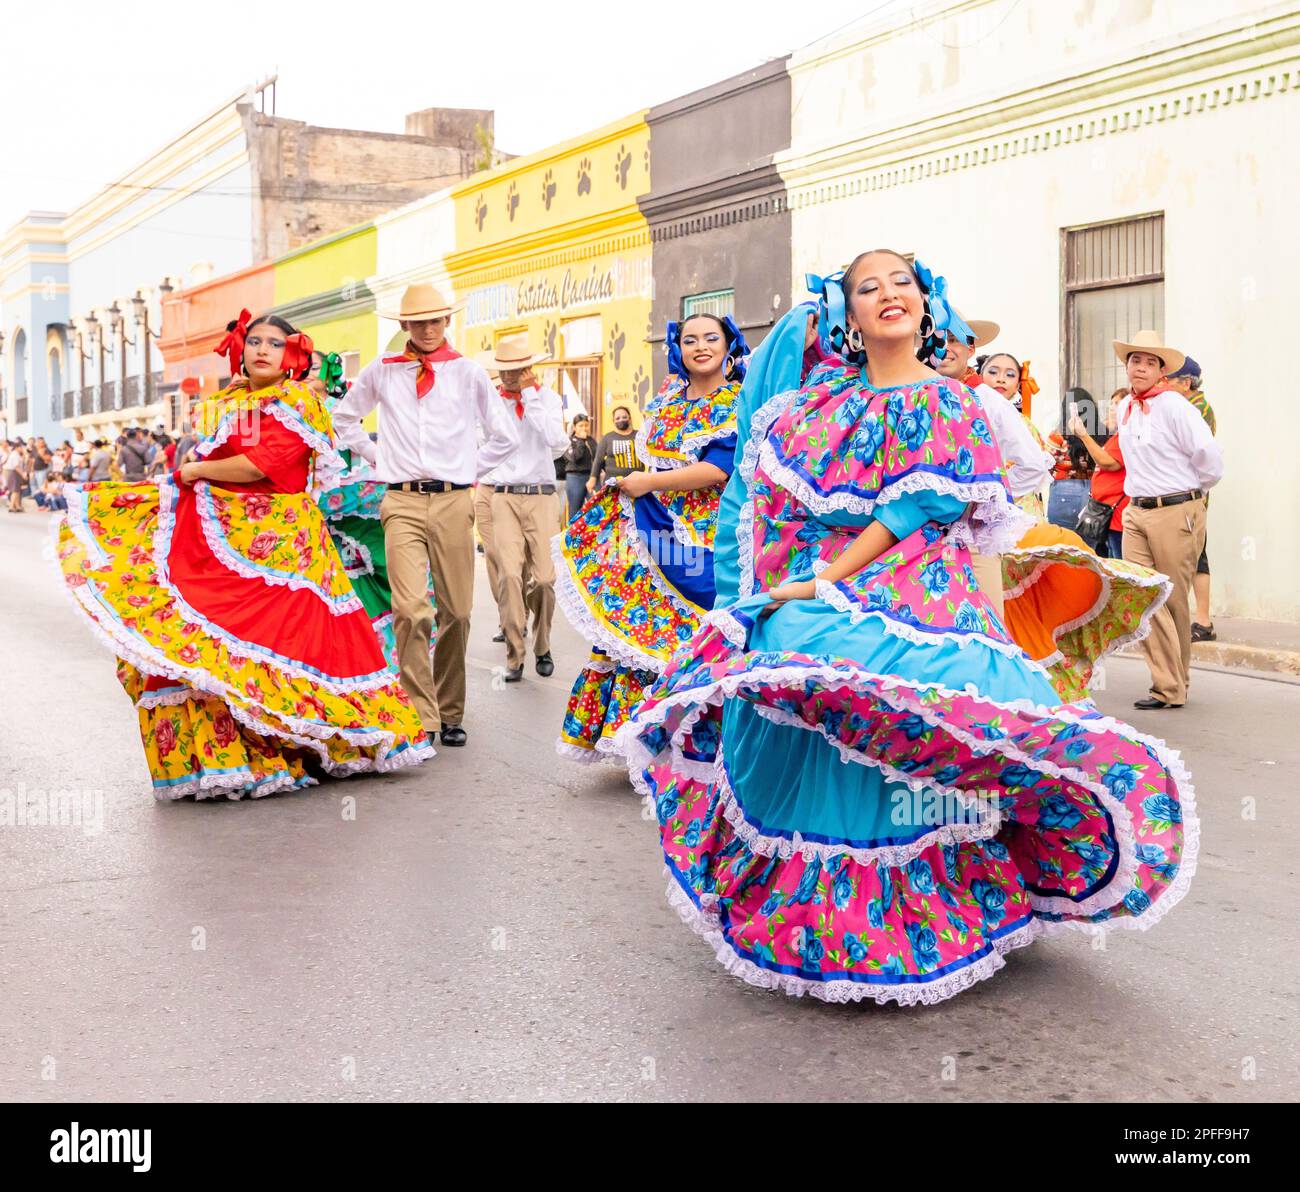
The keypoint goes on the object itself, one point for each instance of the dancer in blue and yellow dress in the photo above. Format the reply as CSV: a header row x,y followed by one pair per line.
x,y
634,567
897,796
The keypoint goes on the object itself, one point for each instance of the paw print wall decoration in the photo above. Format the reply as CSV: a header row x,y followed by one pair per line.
x,y
480,211
512,201
549,338
584,176
617,341
640,386
622,165
548,189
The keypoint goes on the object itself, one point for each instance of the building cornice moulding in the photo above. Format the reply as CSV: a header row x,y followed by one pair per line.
x,y
593,228
189,148
661,205
327,306
977,139
555,259
168,199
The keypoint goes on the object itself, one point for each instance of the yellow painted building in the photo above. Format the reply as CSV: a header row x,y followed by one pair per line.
x,y
322,289
554,244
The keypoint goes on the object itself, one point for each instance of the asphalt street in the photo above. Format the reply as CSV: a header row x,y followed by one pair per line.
x,y
492,925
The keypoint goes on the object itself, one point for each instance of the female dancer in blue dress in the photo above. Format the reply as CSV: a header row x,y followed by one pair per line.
x,y
898,796
635,567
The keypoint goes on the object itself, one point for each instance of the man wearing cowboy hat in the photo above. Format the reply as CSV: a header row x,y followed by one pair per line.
x,y
1027,465
524,504
1171,461
435,409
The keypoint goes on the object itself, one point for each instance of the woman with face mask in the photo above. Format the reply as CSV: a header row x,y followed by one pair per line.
x,y
249,659
898,796
635,567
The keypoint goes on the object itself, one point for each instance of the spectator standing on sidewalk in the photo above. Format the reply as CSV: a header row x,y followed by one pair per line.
x,y
616,454
133,457
15,473
1107,487
38,465
1187,380
1172,461
101,461
80,456
578,460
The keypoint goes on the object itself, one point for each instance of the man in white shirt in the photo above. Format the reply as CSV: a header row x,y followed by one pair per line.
x,y
434,406
1027,465
525,504
1171,460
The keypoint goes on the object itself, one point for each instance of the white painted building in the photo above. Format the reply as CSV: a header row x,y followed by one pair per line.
x,y
412,244
1078,169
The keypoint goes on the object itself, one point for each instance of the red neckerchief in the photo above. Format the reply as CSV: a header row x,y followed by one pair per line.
x,y
425,377
1141,399
972,378
517,398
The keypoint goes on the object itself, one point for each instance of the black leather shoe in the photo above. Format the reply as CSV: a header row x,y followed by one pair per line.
x,y
1151,704
515,675
1203,633
545,664
500,636
452,734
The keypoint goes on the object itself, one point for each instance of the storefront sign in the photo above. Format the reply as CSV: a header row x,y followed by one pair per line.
x,y
547,294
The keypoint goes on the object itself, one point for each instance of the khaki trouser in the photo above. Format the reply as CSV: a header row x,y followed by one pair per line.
x,y
522,527
1169,540
483,519
431,534
988,574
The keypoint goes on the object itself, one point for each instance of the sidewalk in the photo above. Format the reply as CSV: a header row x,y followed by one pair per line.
x,y
1272,647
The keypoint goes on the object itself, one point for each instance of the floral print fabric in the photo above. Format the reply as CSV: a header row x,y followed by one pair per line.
x,y
1023,816
239,638
615,581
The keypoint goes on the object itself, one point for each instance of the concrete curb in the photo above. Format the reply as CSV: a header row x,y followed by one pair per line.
x,y
1237,656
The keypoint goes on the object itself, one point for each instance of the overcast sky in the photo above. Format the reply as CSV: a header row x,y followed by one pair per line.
x,y
89,89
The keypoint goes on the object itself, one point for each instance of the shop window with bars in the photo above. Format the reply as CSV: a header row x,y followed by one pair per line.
x,y
713,302
1114,286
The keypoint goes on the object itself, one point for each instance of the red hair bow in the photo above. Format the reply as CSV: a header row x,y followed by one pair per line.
x,y
297,353
232,347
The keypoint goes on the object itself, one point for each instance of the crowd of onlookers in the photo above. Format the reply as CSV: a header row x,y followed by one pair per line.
x,y
32,468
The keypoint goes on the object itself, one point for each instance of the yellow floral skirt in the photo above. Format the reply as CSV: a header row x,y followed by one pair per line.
x,y
251,663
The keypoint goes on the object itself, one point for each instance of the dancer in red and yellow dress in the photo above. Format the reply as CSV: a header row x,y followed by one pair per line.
x,y
250,660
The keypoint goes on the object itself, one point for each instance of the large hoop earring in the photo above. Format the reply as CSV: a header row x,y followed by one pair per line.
x,y
926,329
855,341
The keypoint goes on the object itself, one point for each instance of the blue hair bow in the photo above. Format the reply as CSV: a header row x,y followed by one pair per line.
x,y
832,318
737,349
946,320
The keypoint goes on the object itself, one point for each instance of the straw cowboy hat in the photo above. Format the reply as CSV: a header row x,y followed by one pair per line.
x,y
511,354
985,331
1152,342
484,360
423,301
